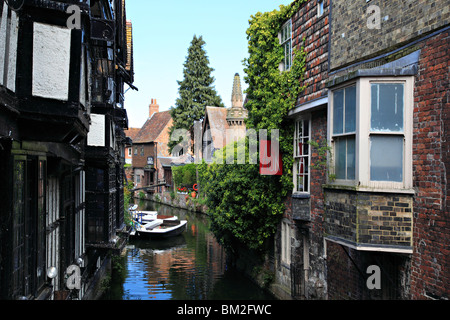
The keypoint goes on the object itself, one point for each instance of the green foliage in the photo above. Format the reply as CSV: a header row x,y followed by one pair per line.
x,y
324,158
127,199
244,206
271,93
185,176
196,91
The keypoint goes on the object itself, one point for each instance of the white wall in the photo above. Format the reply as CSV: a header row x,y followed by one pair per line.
x,y
9,30
51,61
96,135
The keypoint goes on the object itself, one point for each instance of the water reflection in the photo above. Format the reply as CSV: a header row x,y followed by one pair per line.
x,y
191,266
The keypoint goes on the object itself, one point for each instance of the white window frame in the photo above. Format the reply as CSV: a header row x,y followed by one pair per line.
x,y
286,40
363,133
320,8
298,156
286,243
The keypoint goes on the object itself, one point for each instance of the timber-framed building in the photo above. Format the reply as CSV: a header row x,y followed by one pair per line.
x,y
63,66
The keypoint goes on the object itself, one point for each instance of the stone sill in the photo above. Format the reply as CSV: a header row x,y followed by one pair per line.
x,y
370,247
367,189
298,195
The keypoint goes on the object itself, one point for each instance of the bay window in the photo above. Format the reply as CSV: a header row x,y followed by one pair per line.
x,y
386,131
344,129
370,130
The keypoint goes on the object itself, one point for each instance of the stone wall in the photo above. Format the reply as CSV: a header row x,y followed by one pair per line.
x,y
400,22
369,219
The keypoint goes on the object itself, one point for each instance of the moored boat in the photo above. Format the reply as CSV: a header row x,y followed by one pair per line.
x,y
148,224
159,229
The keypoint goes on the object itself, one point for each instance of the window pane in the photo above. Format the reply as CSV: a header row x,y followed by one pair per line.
x,y
351,159
387,107
345,158
306,130
386,158
340,158
350,109
320,8
287,54
338,111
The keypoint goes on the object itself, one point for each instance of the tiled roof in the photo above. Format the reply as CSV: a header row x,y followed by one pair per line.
x,y
132,133
153,127
217,119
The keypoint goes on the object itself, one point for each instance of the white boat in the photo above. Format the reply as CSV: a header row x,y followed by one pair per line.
x,y
148,216
159,228
150,224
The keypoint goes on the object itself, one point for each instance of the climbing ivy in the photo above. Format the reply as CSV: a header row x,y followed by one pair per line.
x,y
246,207
271,93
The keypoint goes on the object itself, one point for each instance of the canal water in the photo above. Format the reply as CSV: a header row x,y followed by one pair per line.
x,y
191,266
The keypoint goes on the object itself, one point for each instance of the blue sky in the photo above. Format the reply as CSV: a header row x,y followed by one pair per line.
x,y
162,32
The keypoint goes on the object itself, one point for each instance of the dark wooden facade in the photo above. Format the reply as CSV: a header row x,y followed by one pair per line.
x,y
52,81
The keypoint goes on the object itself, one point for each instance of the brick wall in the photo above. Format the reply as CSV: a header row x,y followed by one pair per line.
x,y
344,279
369,218
429,267
319,175
385,219
163,140
347,274
307,25
140,161
306,212
430,263
401,22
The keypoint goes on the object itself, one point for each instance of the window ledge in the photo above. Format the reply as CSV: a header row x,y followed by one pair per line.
x,y
368,189
370,247
298,195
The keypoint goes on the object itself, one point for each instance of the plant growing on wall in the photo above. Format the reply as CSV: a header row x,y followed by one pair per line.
x,y
324,158
246,207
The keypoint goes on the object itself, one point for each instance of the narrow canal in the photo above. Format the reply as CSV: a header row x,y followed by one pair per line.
x,y
191,266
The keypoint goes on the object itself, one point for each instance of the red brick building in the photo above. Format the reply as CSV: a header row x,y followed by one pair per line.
x,y
376,95
150,144
300,268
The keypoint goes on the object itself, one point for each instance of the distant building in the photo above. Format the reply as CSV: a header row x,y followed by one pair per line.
x,y
150,144
222,126
130,133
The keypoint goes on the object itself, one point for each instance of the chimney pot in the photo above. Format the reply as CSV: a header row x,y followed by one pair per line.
x,y
153,108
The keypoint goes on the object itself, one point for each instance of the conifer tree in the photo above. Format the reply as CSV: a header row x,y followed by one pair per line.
x,y
196,90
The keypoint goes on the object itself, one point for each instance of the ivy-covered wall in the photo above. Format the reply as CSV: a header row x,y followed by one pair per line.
x,y
246,207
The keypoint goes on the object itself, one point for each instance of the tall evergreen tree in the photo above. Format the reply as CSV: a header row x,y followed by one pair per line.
x,y
196,91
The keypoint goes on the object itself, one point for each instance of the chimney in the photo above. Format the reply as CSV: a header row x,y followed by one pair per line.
x,y
153,108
